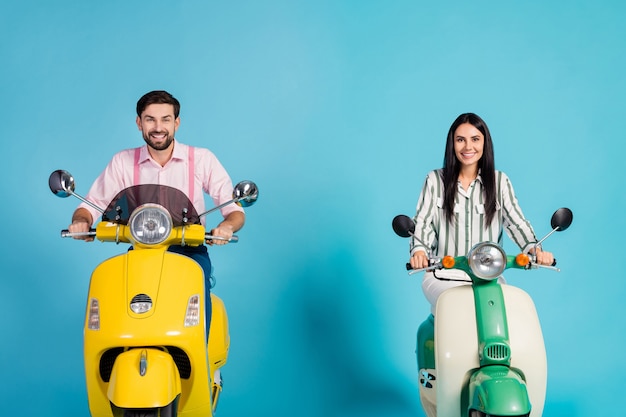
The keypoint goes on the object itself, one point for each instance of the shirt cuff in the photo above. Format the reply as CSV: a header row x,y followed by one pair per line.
x,y
419,247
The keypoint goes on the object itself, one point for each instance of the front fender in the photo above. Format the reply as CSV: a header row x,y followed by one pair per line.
x,y
498,390
144,378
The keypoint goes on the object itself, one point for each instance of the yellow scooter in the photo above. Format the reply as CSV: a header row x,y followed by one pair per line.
x,y
145,345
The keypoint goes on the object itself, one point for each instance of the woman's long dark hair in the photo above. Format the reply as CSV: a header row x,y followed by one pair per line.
x,y
486,166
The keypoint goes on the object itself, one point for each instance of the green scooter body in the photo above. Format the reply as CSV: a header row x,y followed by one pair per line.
x,y
481,375
495,389
498,391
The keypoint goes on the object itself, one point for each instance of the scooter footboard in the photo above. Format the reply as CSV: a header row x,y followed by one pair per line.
x,y
144,378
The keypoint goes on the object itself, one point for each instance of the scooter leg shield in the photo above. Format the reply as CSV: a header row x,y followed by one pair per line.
x,y
144,378
219,339
497,390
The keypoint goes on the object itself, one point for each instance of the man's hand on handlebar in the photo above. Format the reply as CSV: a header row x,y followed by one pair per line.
x,y
80,226
222,231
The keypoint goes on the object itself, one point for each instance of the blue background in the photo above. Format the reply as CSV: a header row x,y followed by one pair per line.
x,y
337,109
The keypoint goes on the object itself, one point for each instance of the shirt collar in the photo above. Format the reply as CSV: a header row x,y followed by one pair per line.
x,y
179,152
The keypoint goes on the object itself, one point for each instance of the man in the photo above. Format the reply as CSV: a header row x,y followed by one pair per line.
x,y
164,160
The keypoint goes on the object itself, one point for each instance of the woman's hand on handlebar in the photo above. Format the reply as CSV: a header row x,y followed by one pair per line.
x,y
544,258
419,260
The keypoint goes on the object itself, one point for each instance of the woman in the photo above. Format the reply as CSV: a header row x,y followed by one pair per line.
x,y
464,203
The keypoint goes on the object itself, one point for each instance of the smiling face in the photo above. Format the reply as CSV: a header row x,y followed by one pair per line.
x,y
468,145
158,125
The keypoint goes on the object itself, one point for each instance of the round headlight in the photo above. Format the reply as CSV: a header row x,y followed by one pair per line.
x,y
150,224
487,260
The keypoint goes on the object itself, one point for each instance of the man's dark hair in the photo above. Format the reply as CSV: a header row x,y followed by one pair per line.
x,y
157,97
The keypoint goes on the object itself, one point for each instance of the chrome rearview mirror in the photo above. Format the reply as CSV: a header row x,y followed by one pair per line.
x,y
61,183
245,193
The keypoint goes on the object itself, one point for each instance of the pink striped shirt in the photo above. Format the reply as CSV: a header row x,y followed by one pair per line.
x,y
136,166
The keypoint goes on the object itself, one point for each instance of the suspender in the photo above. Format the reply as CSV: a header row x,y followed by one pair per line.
x,y
191,173
192,176
136,166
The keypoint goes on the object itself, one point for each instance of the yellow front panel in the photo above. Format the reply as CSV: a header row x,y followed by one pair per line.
x,y
169,280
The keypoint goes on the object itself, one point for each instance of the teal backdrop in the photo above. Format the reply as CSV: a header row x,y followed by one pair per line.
x,y
337,109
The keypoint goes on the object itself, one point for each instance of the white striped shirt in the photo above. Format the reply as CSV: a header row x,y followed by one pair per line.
x,y
468,225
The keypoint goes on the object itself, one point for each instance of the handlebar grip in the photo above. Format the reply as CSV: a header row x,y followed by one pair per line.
x,y
431,262
554,262
67,233
233,239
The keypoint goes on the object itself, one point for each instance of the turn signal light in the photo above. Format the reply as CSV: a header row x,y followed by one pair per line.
x,y
448,262
93,319
192,316
522,259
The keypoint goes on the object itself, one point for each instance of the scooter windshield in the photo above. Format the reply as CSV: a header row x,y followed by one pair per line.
x,y
174,201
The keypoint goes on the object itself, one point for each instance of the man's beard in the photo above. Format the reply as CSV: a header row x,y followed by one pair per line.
x,y
159,147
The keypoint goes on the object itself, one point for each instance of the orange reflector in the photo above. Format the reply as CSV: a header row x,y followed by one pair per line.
x,y
447,262
522,259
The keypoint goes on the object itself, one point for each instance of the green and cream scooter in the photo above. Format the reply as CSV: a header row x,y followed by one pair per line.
x,y
483,354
